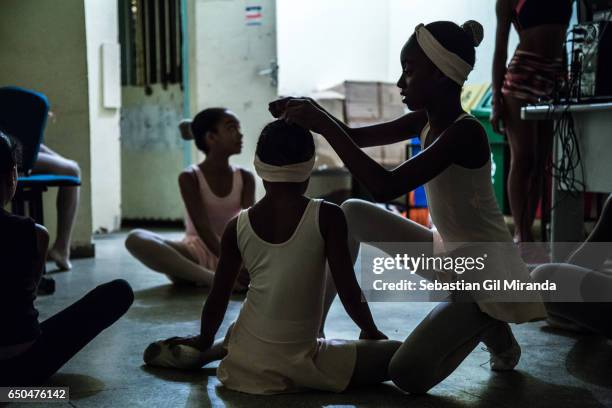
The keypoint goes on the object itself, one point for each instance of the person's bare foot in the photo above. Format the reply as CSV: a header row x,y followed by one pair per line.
x,y
62,260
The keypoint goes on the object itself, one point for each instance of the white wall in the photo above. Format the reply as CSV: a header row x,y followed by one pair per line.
x,y
101,22
323,42
227,57
329,41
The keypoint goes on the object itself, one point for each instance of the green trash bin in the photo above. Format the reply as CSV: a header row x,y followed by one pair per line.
x,y
482,112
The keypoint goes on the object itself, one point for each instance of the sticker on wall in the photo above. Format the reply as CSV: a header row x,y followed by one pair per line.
x,y
253,15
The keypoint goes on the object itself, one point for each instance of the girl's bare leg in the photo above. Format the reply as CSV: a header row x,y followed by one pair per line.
x,y
369,223
441,342
167,257
522,181
49,162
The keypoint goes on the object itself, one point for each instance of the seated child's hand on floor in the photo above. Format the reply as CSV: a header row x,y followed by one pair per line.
x,y
176,352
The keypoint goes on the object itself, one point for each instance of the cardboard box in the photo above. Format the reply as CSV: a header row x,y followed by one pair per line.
x,y
360,103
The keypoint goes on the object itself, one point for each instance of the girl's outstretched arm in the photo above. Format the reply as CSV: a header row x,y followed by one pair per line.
x,y
398,130
215,306
334,230
462,142
196,208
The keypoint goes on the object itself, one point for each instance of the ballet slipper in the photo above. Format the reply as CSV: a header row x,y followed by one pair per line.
x,y
507,359
162,354
62,262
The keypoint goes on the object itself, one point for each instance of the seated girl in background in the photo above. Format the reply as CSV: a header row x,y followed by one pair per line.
x,y
213,192
31,352
50,162
284,241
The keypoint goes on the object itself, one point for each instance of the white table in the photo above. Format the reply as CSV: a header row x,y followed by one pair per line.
x,y
593,125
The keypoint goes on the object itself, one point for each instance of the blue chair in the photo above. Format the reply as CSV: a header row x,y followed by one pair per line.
x,y
23,116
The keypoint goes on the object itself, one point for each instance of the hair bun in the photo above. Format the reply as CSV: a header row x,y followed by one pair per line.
x,y
185,129
474,30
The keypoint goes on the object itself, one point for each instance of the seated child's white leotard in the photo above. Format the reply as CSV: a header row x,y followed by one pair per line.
x,y
219,211
464,209
273,347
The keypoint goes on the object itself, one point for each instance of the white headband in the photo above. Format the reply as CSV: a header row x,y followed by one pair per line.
x,y
451,65
292,173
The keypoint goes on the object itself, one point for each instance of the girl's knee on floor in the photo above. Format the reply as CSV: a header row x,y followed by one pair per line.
x,y
42,239
135,238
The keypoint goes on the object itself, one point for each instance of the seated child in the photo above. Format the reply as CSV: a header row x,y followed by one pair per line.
x,y
284,241
50,162
213,192
583,299
30,352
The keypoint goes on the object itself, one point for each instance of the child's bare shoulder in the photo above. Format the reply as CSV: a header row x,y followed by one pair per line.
x,y
469,131
331,217
247,175
187,176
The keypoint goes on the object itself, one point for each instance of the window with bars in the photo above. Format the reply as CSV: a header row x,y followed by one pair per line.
x,y
151,43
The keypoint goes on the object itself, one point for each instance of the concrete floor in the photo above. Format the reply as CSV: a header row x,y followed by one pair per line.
x,y
557,369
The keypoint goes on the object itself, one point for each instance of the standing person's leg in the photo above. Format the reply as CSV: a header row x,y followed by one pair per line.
x,y
522,137
372,365
543,167
370,223
67,332
442,341
168,257
49,162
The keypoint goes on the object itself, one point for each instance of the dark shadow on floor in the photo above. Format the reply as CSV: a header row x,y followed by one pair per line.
x,y
590,360
509,390
374,396
564,333
383,395
518,389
